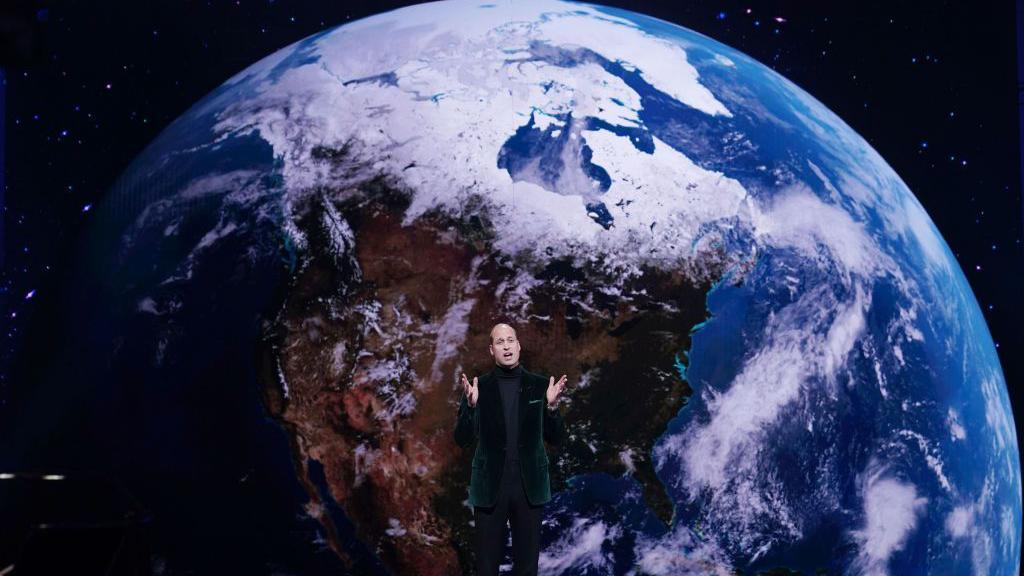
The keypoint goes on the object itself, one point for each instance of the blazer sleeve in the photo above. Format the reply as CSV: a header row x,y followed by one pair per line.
x,y
465,427
554,426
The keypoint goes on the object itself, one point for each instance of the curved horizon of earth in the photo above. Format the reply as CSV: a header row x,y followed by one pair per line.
x,y
776,361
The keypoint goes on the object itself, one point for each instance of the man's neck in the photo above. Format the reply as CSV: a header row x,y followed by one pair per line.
x,y
508,369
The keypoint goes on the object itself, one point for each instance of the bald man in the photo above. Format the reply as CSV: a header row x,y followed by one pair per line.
x,y
508,412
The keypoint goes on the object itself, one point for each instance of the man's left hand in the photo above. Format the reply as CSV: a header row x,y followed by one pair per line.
x,y
555,388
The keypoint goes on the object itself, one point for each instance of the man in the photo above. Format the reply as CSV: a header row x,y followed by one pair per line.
x,y
508,412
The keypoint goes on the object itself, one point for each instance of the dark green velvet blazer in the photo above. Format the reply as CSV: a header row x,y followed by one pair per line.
x,y
485,424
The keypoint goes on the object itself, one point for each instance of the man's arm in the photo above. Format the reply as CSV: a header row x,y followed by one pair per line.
x,y
465,428
554,425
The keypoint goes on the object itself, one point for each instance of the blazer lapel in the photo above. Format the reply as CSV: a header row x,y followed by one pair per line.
x,y
524,397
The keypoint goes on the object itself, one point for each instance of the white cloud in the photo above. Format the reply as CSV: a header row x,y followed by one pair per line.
x,y
796,218
681,553
579,548
956,429
891,511
959,521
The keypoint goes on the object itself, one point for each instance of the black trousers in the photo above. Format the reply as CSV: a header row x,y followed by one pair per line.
x,y
511,507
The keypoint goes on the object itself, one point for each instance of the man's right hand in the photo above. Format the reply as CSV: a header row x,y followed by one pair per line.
x,y
472,391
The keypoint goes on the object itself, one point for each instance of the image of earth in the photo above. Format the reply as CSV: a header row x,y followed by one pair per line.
x,y
775,361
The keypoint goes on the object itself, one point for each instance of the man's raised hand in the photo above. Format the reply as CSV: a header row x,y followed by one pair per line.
x,y
472,391
555,388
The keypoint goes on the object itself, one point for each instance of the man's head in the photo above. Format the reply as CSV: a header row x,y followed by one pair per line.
x,y
504,345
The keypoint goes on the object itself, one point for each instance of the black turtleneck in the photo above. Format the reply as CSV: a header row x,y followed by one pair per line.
x,y
509,381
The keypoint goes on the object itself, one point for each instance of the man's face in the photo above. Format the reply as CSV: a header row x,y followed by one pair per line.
x,y
504,346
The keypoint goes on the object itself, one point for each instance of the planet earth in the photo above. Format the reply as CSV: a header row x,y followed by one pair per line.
x,y
775,362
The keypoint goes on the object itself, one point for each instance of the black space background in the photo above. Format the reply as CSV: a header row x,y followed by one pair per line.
x,y
931,85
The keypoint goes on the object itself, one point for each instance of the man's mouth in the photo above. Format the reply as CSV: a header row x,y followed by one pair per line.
x,y
508,354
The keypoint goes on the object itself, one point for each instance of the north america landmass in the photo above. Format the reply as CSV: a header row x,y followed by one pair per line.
x,y
361,350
